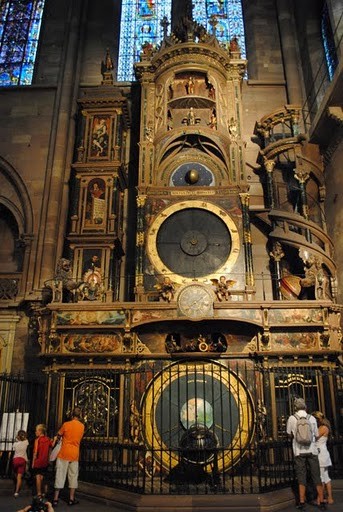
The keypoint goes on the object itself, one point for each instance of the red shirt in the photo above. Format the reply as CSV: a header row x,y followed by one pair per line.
x,y
41,450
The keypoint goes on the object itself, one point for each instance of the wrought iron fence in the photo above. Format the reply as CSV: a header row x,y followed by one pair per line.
x,y
188,426
22,407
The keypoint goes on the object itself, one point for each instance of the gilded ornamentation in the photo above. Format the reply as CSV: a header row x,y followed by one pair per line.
x,y
141,200
139,239
269,164
166,289
135,429
222,288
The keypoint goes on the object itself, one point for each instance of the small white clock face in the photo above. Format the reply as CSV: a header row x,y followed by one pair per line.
x,y
195,301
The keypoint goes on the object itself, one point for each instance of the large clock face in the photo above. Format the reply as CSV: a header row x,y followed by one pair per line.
x,y
198,395
192,240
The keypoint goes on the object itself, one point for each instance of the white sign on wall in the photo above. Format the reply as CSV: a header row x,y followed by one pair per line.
x,y
11,423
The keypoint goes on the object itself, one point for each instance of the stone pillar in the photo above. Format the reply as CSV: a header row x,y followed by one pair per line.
x,y
55,201
8,323
289,51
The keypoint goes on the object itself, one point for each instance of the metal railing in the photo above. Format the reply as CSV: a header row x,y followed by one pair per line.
x,y
183,427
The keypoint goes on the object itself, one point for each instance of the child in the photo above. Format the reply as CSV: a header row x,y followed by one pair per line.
x,y
40,460
19,459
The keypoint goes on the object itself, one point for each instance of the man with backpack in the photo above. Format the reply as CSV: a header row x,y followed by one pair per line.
x,y
303,429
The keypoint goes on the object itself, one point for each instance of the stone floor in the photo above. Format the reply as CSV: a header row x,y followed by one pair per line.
x,y
113,501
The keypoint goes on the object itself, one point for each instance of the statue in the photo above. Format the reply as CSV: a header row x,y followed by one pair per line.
x,y
166,289
261,419
147,49
210,88
213,119
233,128
134,422
277,253
191,117
106,68
190,85
222,287
315,278
234,46
68,285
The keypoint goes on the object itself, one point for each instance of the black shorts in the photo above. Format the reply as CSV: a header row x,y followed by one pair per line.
x,y
39,471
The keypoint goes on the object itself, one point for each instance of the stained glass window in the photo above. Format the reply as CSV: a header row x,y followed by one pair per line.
x,y
329,43
20,22
140,23
229,16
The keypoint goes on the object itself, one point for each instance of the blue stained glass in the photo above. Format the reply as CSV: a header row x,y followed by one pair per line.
x,y
141,23
329,43
20,23
229,16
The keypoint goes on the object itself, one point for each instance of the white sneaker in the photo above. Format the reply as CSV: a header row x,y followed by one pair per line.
x,y
16,494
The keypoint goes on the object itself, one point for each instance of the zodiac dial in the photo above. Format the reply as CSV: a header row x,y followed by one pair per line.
x,y
193,239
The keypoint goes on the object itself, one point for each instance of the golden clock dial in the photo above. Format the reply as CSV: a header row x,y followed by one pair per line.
x,y
193,239
195,301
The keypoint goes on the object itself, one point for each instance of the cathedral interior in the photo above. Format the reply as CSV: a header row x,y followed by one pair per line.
x,y
170,221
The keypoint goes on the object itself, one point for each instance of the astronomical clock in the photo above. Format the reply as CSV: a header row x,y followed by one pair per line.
x,y
192,194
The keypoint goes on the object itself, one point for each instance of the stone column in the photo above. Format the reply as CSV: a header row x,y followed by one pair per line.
x,y
8,323
55,200
289,51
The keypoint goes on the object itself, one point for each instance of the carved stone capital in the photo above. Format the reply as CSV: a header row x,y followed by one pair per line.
x,y
268,165
141,200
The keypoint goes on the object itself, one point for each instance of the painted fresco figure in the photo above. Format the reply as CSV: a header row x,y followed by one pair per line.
x,y
99,137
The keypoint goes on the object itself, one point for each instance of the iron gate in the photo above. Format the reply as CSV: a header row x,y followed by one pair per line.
x,y
184,427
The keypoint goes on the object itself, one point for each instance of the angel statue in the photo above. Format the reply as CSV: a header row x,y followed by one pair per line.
x,y
222,286
166,289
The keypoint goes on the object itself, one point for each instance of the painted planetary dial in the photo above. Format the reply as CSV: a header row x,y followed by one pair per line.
x,y
192,174
202,401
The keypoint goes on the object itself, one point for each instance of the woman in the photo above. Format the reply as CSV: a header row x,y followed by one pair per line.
x,y
324,429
